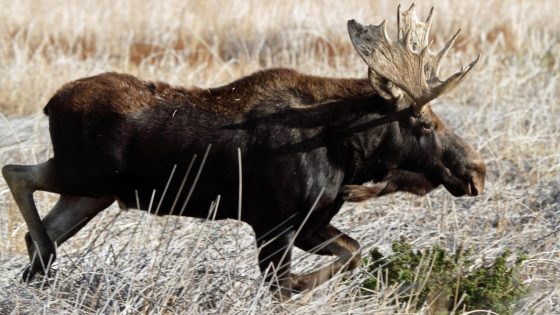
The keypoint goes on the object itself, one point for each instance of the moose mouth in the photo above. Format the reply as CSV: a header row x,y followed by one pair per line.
x,y
458,188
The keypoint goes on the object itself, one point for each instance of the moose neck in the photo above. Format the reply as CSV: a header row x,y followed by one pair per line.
x,y
359,124
370,133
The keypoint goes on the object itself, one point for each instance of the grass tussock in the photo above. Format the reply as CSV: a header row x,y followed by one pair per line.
x,y
129,262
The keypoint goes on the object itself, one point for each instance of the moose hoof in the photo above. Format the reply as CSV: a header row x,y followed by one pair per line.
x,y
32,270
302,283
28,274
281,294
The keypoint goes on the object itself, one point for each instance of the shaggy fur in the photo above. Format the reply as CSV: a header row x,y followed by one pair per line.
x,y
301,139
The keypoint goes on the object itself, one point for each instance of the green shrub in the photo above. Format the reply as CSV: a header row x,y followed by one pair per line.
x,y
447,282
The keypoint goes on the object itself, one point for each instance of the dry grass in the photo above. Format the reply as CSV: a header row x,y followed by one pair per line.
x,y
509,109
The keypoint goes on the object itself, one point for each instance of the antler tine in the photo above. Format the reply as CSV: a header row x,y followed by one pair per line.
x,y
407,21
433,65
383,26
407,63
450,83
429,18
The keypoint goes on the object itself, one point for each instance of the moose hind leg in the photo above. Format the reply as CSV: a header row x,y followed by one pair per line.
x,y
23,181
329,241
71,213
67,217
275,256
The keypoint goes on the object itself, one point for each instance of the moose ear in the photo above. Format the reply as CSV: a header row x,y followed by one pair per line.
x,y
384,87
362,39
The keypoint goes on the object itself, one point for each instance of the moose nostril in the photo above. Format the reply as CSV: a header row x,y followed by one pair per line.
x,y
473,189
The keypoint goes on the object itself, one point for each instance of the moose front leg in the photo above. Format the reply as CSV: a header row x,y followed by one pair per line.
x,y
329,241
394,181
275,258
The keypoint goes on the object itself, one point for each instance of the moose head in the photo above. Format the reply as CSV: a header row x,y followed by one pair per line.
x,y
405,73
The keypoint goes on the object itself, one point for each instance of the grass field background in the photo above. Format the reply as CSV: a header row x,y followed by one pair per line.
x,y
129,262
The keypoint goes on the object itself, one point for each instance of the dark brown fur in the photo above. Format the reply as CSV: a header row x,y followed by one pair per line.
x,y
124,93
301,138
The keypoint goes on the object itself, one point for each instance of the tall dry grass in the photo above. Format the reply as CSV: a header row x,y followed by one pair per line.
x,y
128,262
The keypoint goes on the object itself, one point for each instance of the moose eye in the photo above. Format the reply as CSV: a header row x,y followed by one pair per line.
x,y
426,128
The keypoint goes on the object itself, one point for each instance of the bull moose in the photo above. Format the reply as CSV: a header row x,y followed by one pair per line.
x,y
304,143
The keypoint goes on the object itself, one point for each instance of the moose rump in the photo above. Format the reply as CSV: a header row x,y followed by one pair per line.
x,y
150,154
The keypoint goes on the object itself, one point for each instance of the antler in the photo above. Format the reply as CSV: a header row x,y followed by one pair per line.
x,y
407,63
